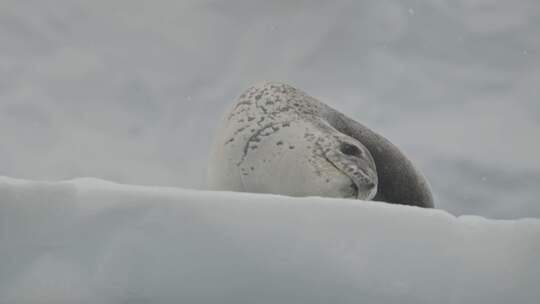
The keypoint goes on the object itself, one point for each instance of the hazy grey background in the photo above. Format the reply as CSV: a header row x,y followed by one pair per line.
x,y
131,91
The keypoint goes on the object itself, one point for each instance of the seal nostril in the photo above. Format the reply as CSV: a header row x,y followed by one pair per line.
x,y
349,149
354,189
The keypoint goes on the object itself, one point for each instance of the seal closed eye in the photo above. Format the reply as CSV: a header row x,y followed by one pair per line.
x,y
349,149
277,139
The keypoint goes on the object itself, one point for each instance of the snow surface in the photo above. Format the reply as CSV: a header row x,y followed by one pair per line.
x,y
132,91
92,241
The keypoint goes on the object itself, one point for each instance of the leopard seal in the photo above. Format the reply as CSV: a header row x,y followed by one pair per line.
x,y
278,139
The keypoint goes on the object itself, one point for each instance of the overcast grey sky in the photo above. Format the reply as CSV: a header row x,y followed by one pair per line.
x,y
131,91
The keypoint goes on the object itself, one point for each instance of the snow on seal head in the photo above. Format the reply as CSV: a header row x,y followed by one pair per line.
x,y
277,139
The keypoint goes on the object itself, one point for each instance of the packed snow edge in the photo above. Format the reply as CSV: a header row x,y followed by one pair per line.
x,y
93,241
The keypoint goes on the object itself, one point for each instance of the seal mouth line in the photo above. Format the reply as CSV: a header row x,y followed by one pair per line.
x,y
356,187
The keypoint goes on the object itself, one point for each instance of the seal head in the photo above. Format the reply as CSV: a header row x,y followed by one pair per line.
x,y
277,139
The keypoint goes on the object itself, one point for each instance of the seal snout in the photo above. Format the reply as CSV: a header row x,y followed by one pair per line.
x,y
363,192
368,190
357,163
353,160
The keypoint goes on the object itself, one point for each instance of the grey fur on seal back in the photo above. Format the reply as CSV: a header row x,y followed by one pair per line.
x,y
277,139
399,181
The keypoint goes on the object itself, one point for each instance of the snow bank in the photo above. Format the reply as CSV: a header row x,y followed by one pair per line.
x,y
91,241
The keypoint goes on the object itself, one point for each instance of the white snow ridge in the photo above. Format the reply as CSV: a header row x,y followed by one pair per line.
x,y
91,241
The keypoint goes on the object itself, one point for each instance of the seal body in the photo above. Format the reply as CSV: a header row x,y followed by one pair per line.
x,y
277,139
